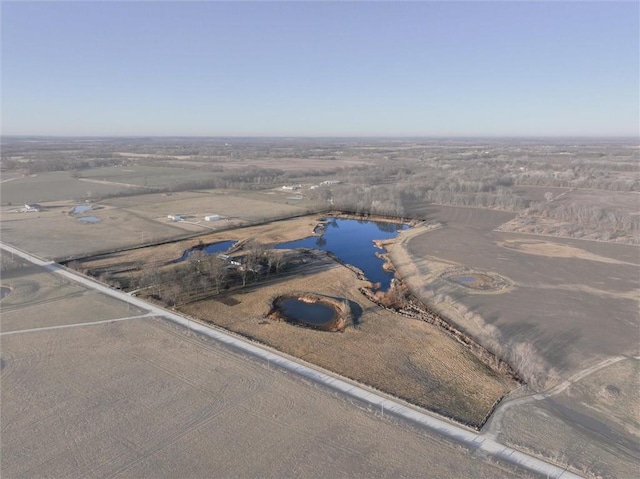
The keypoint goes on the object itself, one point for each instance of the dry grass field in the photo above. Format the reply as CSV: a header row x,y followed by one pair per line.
x,y
40,299
405,357
569,305
574,301
54,233
51,186
593,426
129,221
143,398
245,206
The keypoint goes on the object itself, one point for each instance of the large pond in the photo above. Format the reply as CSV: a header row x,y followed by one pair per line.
x,y
317,315
208,249
352,241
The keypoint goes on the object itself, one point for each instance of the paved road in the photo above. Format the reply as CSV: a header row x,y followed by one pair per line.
x,y
477,441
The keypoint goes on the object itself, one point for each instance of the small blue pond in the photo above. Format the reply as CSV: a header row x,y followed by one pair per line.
x,y
352,241
4,291
89,219
80,209
208,249
312,314
465,279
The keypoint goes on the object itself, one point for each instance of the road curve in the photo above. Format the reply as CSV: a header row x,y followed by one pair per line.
x,y
476,441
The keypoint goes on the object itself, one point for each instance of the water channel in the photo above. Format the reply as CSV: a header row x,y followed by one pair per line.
x,y
351,241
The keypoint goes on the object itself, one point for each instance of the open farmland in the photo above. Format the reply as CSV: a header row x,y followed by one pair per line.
x,y
41,299
562,291
130,221
592,425
567,306
405,357
493,258
52,186
145,398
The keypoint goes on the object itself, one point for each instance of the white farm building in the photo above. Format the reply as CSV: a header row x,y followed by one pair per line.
x,y
212,218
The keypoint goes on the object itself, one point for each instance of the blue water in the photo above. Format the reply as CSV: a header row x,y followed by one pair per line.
x,y
80,209
352,241
89,219
313,314
465,279
209,249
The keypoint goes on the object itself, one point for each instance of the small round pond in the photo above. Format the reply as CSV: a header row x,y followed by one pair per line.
x,y
89,219
4,291
476,280
313,313
80,209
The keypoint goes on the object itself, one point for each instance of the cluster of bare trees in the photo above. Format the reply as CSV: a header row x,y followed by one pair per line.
x,y
205,274
591,220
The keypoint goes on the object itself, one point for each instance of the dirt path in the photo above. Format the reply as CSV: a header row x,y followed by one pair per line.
x,y
493,426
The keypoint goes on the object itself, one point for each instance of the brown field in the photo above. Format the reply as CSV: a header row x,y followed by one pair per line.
x,y
574,310
142,398
628,201
405,357
51,186
593,425
229,204
129,221
54,233
40,299
570,303
536,193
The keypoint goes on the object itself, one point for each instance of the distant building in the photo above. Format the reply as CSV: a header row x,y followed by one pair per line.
x,y
331,182
292,188
212,218
174,217
32,208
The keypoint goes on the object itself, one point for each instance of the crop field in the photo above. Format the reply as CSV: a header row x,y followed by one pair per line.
x,y
194,206
136,220
40,299
567,305
143,398
573,301
592,426
52,186
55,233
142,176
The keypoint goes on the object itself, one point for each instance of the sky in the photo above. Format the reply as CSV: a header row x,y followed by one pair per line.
x,y
320,69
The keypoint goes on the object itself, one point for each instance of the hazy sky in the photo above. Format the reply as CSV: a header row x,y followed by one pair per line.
x,y
320,69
